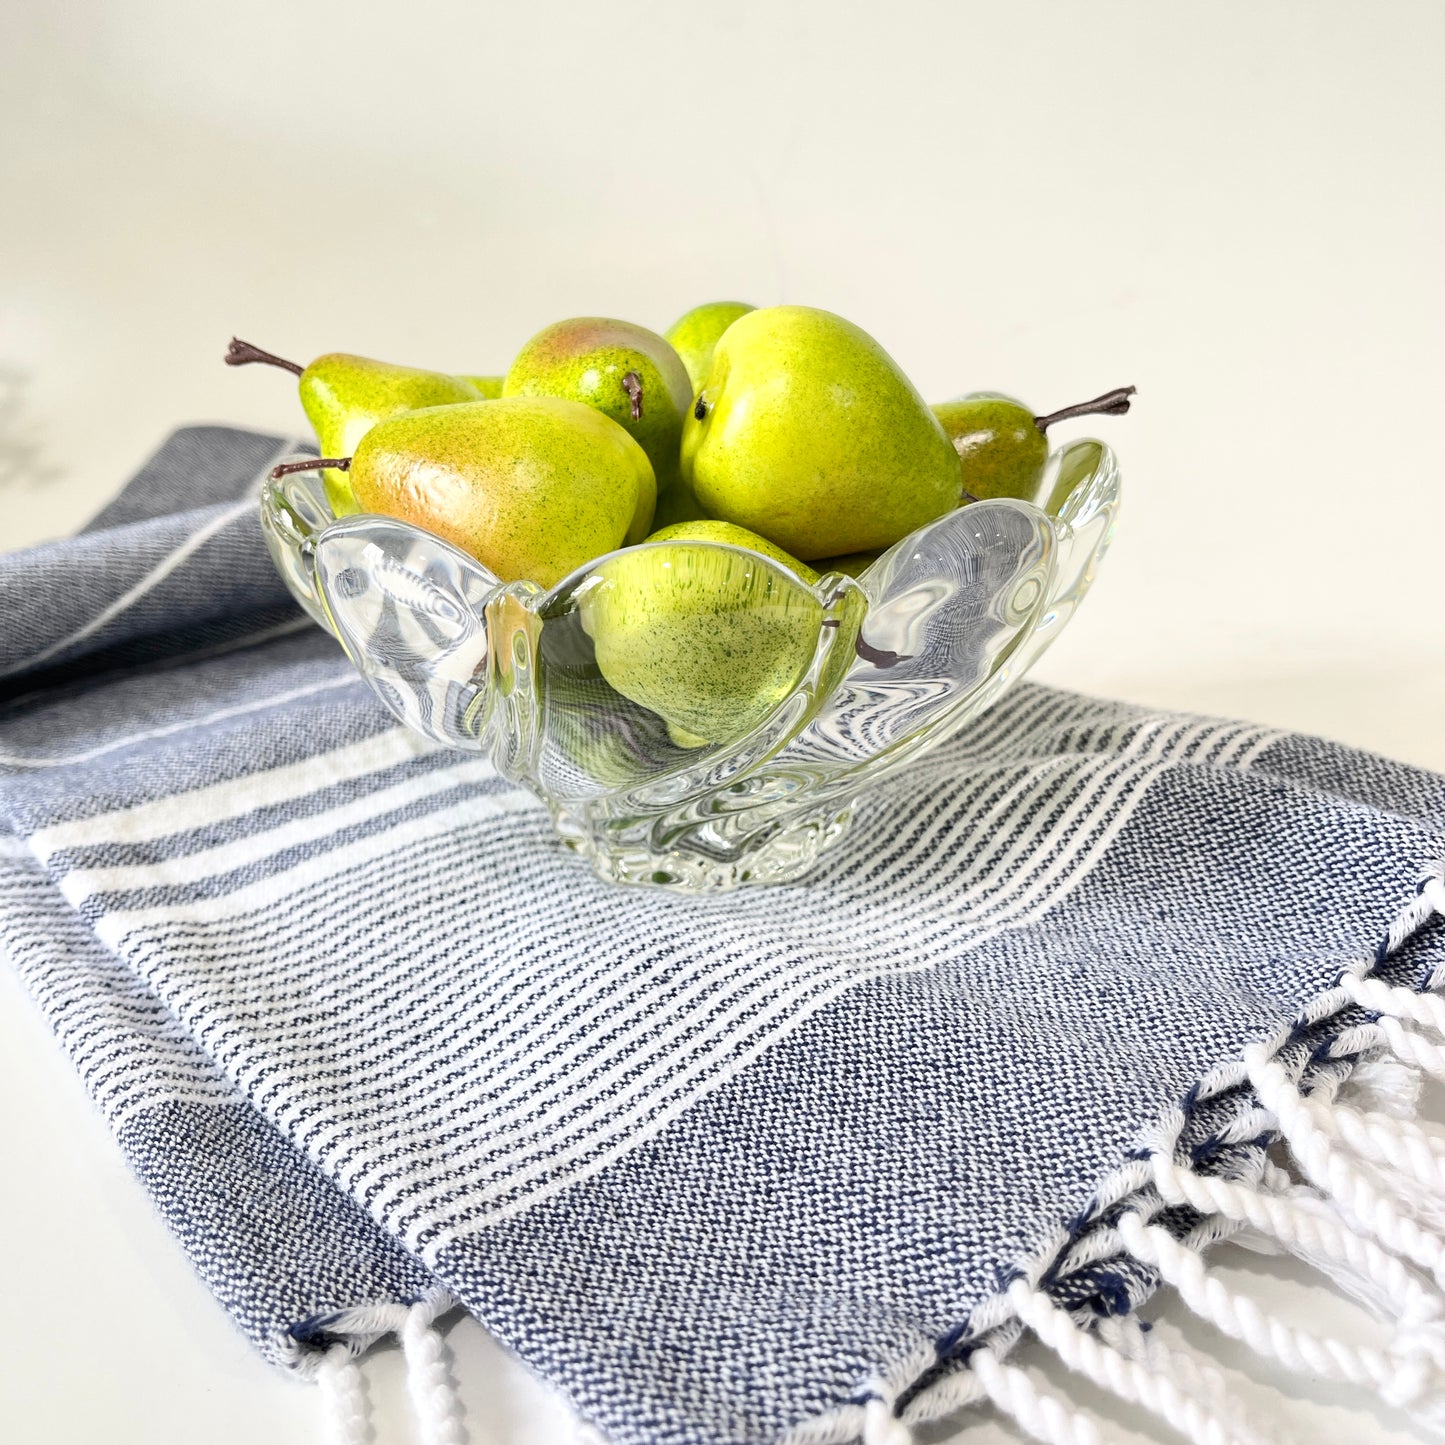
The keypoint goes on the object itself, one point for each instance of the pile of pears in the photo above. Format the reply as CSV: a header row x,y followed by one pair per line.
x,y
784,431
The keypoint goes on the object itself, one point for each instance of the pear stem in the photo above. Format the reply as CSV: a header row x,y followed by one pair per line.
x,y
1112,403
242,353
878,656
632,385
310,464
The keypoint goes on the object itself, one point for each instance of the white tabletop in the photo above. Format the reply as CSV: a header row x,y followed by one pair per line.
x,y
1238,208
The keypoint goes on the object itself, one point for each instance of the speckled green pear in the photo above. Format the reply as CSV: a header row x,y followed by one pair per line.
x,y
345,396
695,334
489,386
532,487
999,444
807,431
708,530
705,636
624,371
1002,446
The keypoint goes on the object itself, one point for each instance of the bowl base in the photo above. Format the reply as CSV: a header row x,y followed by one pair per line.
x,y
695,860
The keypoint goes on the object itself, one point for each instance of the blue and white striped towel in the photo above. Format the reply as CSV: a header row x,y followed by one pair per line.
x,y
788,1164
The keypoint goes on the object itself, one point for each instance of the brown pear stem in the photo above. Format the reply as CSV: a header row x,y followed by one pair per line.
x,y
242,353
1112,403
632,385
879,656
310,464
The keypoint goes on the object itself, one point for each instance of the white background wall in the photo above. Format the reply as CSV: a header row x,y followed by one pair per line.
x,y
1239,207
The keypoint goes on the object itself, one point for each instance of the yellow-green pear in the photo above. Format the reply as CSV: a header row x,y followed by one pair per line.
x,y
855,564
695,334
624,371
532,487
676,504
1002,446
489,386
806,431
344,396
708,530
708,637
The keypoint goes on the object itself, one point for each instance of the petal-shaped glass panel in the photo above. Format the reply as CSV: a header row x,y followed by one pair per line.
x,y
294,510
945,604
410,611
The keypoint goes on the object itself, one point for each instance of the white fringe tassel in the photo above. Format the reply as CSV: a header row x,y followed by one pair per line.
x,y
1358,1196
1114,1371
1037,1410
435,1403
882,1427
1351,1261
1190,1371
1371,1216
344,1394
434,1398
1402,1372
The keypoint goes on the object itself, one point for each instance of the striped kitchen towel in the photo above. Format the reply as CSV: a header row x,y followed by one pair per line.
x,y
1083,992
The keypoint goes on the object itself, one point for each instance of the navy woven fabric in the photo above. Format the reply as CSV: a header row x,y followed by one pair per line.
x,y
719,1169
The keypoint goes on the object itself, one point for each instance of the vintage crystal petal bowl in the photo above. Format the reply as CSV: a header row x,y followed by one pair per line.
x,y
706,748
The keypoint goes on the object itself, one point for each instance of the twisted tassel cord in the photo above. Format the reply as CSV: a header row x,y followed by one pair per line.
x,y
434,1398
882,1427
1406,1004
1300,1229
1037,1411
344,1395
1087,1355
1359,1197
1360,1268
1190,1371
1408,1148
435,1403
1412,1048
1401,1373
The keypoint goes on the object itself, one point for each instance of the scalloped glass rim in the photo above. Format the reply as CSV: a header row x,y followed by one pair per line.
x,y
923,640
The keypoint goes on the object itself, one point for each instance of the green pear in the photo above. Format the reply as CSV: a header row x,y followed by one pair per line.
x,y
1002,446
676,504
806,431
708,637
695,333
1001,449
707,530
532,487
489,386
344,396
624,371
855,564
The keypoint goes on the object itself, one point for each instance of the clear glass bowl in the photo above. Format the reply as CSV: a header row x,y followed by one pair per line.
x,y
701,736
